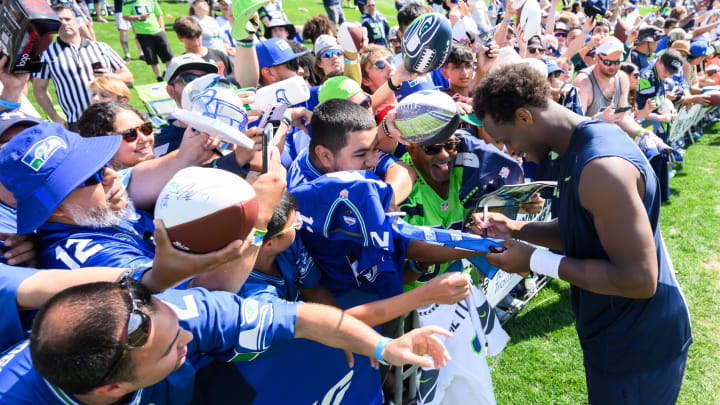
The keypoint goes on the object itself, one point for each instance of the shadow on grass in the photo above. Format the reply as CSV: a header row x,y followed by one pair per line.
x,y
540,318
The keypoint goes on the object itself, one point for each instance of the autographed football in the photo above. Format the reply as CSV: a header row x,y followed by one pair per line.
x,y
204,209
426,43
427,117
350,37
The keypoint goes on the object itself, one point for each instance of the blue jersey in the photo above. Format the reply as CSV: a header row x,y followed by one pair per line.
x,y
302,170
224,326
347,232
8,218
618,335
128,244
14,327
377,27
298,271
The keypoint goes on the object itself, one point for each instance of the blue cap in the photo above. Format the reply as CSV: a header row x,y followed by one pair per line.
x,y
12,117
275,51
552,66
698,48
43,164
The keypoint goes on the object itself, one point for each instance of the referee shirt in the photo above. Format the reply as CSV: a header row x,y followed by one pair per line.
x,y
70,68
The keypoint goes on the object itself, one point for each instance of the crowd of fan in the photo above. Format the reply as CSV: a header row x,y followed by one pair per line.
x,y
84,200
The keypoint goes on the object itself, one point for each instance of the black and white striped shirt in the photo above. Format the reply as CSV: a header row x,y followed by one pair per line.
x,y
70,68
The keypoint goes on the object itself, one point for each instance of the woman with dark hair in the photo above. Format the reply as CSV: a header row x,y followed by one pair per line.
x,y
634,75
114,117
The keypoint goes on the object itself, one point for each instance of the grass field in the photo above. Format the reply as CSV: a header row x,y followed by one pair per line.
x,y
543,362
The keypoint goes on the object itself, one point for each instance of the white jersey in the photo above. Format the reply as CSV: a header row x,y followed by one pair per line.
x,y
476,334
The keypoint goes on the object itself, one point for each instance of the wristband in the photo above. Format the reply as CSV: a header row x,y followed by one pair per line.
x,y
379,349
586,32
245,43
414,268
287,118
654,118
260,232
637,133
258,241
392,86
9,104
507,20
352,62
545,262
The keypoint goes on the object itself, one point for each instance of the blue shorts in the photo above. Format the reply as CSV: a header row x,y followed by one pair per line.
x,y
660,386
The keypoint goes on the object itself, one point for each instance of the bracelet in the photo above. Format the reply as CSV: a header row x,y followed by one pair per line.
x,y
9,104
245,43
545,262
260,232
379,349
392,86
384,127
507,20
414,268
654,118
352,62
637,133
287,119
586,32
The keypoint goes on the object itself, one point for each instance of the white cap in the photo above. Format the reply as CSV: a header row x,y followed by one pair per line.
x,y
323,42
610,45
393,33
538,65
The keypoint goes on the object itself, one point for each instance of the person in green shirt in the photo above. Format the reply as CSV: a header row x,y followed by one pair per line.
x,y
147,18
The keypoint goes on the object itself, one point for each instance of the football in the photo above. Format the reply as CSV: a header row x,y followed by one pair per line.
x,y
427,117
204,209
530,19
715,98
426,43
350,37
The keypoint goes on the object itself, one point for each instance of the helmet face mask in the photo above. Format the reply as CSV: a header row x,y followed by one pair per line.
x,y
222,105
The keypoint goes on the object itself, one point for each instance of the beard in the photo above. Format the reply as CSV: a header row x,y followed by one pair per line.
x,y
99,217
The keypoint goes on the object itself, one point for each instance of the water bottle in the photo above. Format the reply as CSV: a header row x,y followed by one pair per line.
x,y
290,91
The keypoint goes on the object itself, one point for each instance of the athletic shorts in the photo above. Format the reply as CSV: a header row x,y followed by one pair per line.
x,y
154,45
121,23
655,387
335,13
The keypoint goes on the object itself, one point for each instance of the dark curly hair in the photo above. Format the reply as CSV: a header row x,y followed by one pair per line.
x,y
502,91
316,26
99,119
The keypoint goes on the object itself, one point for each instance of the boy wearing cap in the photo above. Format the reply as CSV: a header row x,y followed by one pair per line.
x,y
147,19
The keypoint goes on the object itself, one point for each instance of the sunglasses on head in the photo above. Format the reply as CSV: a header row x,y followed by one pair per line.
x,y
534,50
331,53
449,146
186,77
610,62
95,178
139,324
296,226
130,135
381,64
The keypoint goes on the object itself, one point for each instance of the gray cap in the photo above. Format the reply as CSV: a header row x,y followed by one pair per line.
x,y
185,62
672,61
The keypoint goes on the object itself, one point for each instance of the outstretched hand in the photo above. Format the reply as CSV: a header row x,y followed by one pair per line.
x,y
412,346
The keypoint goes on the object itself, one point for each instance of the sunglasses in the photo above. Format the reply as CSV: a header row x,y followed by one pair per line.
x,y
534,50
293,64
367,102
186,77
610,62
130,135
381,64
557,74
95,178
449,146
139,324
296,226
560,34
331,53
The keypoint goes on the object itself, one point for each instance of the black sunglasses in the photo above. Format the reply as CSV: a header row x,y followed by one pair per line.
x,y
609,62
130,135
382,63
186,77
292,64
95,178
449,146
139,324
367,102
534,50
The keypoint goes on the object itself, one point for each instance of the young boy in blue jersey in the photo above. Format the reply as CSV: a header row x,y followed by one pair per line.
x,y
631,317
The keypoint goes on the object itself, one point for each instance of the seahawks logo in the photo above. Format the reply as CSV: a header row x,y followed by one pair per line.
x,y
42,151
417,41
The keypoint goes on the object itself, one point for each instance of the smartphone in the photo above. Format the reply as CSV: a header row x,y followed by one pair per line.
x,y
622,109
267,145
273,114
96,66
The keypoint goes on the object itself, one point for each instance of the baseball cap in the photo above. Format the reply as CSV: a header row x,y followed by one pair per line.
x,y
43,164
187,61
323,42
393,33
659,22
275,51
279,22
672,61
11,117
561,26
698,48
610,45
552,66
341,87
649,34
681,46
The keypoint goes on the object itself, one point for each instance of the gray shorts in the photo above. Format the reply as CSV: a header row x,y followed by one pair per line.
x,y
121,23
335,13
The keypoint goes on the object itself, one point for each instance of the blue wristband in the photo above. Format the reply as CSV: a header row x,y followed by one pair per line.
x,y
9,104
414,268
379,349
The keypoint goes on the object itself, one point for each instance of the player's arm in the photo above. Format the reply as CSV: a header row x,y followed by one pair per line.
x,y
332,327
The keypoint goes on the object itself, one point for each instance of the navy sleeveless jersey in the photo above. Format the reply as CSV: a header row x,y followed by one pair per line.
x,y
619,335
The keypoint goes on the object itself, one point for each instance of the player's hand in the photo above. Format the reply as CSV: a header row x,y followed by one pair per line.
x,y
197,147
497,225
412,346
464,108
447,288
21,249
172,265
253,156
533,205
702,99
514,259
269,188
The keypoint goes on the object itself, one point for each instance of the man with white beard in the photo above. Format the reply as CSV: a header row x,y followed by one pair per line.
x,y
67,192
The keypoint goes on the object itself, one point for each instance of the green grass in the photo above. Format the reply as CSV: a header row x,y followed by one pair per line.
x,y
543,362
